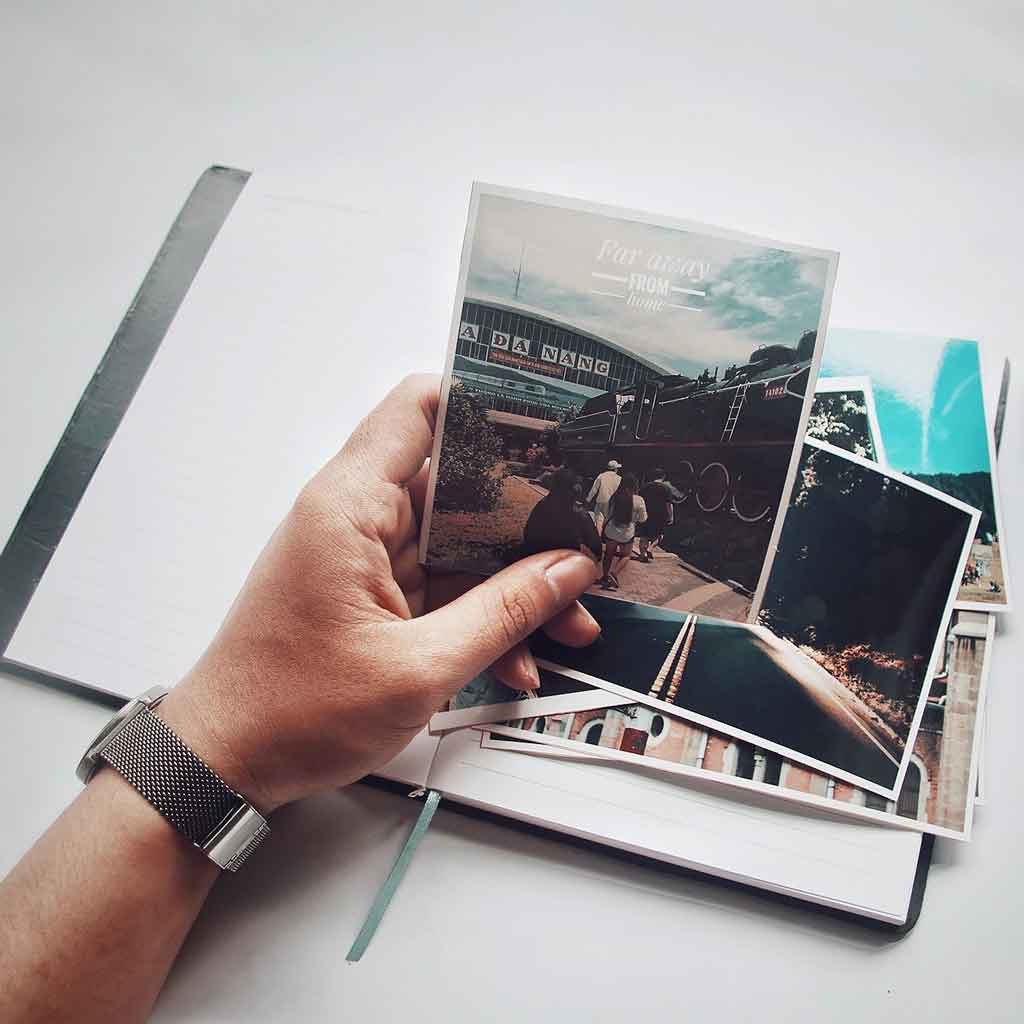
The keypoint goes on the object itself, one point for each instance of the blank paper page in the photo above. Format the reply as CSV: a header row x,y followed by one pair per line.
x,y
863,868
304,313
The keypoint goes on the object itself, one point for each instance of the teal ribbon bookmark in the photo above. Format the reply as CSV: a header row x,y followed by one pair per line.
x,y
394,879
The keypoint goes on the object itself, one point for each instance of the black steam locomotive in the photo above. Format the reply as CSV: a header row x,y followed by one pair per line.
x,y
727,443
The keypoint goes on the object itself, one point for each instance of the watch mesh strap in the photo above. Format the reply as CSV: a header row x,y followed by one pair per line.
x,y
182,787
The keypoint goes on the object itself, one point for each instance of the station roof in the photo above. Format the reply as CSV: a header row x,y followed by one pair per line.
x,y
539,314
513,419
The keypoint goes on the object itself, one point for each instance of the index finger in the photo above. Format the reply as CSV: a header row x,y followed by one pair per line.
x,y
394,439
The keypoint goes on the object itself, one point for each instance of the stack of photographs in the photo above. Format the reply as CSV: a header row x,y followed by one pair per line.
x,y
800,539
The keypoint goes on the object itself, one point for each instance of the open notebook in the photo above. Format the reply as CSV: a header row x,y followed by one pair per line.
x,y
306,309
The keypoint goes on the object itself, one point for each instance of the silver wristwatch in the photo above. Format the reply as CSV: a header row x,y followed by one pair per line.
x,y
178,783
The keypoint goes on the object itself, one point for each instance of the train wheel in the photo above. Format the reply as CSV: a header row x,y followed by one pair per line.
x,y
750,502
712,487
684,479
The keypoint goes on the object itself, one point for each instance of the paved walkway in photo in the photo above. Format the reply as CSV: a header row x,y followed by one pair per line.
x,y
667,583
485,540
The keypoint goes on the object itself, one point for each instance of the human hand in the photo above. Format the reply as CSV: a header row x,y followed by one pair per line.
x,y
328,662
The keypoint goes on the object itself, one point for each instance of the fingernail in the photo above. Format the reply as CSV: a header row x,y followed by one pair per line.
x,y
571,575
590,618
529,673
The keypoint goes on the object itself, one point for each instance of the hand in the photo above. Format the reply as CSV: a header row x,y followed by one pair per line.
x,y
326,665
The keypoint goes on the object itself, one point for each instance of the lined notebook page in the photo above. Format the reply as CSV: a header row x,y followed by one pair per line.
x,y
303,315
865,869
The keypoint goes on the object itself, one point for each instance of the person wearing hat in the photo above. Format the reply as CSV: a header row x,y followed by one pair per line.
x,y
604,486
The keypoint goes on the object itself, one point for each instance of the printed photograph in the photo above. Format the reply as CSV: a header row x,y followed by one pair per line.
x,y
834,673
487,699
636,390
843,415
863,582
981,789
937,792
931,412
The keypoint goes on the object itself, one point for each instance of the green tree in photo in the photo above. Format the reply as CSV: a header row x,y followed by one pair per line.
x,y
470,452
841,419
862,577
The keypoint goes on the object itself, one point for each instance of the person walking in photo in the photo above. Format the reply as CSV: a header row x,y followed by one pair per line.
x,y
626,509
605,485
659,496
558,522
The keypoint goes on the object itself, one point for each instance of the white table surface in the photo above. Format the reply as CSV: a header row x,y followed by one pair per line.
x,y
893,136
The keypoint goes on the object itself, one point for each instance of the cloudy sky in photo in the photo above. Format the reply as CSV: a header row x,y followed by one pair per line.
x,y
928,395
755,295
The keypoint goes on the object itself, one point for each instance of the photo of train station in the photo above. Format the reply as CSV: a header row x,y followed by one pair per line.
x,y
648,418
506,354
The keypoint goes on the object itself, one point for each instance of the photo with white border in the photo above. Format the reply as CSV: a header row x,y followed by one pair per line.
x,y
929,401
817,707
843,414
938,798
596,349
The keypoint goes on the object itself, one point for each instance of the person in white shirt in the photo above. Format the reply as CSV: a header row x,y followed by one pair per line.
x,y
604,486
626,509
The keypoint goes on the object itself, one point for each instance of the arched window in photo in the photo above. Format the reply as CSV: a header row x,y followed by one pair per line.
x,y
744,760
875,802
657,731
592,732
772,767
914,792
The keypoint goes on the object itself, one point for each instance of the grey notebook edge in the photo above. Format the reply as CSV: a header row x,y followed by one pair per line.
x,y
102,406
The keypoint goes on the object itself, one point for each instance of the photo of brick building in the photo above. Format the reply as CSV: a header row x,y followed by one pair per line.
x,y
939,784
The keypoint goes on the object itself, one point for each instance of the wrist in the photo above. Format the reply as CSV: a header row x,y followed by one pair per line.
x,y
143,834
200,728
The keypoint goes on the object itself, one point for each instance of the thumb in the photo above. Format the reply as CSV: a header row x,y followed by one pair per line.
x,y
474,630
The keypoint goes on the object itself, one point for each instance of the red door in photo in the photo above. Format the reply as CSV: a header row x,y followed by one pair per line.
x,y
634,741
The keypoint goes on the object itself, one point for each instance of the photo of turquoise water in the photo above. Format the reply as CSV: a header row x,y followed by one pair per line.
x,y
931,412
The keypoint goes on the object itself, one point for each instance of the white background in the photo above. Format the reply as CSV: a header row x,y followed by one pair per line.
x,y
892,136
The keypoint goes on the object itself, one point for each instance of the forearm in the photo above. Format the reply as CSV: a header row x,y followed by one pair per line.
x,y
325,667
93,916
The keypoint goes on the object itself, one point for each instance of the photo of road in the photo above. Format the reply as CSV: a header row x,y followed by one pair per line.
x,y
743,678
795,704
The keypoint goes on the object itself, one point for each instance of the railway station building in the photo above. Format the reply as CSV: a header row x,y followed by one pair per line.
x,y
532,370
